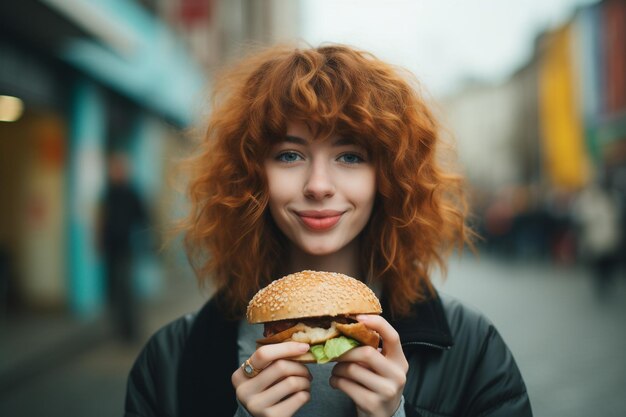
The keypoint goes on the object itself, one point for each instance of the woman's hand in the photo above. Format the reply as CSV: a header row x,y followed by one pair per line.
x,y
373,379
282,386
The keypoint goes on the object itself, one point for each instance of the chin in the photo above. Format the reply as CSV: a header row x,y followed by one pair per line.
x,y
321,250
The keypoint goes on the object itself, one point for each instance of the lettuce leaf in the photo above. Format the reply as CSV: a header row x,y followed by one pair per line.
x,y
336,347
333,348
318,352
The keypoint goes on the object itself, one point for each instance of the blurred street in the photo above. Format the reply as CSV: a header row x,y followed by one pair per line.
x,y
93,382
102,101
569,346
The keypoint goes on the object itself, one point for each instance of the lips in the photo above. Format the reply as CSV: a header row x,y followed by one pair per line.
x,y
319,219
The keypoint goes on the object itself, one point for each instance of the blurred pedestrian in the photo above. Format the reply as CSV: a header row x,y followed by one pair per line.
x,y
122,214
499,221
597,216
325,159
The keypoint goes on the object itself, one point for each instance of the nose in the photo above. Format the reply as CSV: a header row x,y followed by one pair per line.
x,y
319,183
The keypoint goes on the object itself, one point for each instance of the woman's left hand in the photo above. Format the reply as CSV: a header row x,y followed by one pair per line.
x,y
373,379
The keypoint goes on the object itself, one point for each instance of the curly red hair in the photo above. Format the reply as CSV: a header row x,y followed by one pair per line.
x,y
419,214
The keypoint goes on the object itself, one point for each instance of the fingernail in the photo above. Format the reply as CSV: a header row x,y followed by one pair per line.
x,y
362,317
303,347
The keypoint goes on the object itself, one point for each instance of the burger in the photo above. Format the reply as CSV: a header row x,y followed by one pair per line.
x,y
318,308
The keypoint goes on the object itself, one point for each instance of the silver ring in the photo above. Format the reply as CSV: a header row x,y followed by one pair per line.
x,y
249,370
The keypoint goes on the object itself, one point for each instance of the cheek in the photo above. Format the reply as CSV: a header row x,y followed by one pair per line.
x,y
364,189
281,187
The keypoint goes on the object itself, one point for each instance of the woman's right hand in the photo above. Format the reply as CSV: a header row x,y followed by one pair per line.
x,y
282,386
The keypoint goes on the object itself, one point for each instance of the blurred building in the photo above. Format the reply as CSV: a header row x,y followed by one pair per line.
x,y
79,79
599,37
218,31
487,122
92,77
535,140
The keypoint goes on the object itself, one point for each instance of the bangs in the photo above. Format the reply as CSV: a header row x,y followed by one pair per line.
x,y
325,89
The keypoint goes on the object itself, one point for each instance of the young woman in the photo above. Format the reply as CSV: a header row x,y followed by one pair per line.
x,y
325,159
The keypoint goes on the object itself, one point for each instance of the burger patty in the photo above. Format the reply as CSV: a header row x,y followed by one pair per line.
x,y
274,327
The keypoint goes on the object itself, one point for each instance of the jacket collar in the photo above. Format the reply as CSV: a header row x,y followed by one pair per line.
x,y
425,326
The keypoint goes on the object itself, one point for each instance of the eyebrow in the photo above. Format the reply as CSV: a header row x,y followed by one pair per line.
x,y
295,139
344,142
339,142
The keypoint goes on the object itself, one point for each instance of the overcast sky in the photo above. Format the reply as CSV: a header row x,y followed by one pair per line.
x,y
441,41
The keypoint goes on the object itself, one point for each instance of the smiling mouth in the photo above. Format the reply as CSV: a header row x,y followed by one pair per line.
x,y
320,220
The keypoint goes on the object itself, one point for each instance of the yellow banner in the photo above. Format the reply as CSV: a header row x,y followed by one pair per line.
x,y
564,154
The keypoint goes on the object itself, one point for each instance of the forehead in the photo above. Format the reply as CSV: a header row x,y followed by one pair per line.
x,y
301,130
300,133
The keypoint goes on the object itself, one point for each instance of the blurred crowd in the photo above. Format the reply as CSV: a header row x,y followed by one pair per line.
x,y
585,226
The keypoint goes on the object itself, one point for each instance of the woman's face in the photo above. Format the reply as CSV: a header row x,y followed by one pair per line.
x,y
321,191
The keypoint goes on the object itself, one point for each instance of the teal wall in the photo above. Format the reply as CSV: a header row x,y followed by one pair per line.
x,y
85,179
152,68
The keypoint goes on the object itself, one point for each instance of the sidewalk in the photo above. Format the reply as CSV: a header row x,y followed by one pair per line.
x,y
568,343
35,344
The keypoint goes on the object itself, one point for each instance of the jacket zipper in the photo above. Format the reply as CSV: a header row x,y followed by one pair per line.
x,y
440,347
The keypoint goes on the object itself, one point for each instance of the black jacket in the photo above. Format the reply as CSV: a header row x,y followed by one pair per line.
x,y
458,366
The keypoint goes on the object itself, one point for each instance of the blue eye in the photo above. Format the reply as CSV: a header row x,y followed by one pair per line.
x,y
288,157
350,158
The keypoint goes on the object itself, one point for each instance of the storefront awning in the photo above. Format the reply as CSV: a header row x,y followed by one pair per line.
x,y
135,54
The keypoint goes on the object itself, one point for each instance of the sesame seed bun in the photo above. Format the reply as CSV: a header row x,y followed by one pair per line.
x,y
312,294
